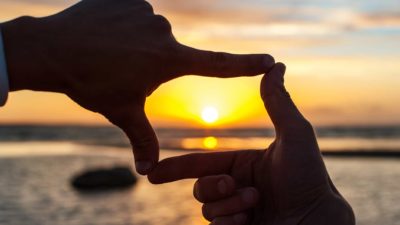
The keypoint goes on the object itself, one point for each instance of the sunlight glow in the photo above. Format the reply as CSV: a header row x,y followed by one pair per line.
x,y
210,143
209,114
312,43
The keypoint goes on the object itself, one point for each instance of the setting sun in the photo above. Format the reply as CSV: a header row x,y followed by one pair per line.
x,y
209,114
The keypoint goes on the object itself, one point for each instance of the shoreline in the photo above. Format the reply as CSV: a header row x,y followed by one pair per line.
x,y
361,153
68,147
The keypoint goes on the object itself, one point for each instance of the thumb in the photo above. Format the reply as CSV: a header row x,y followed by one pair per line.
x,y
224,65
134,123
284,114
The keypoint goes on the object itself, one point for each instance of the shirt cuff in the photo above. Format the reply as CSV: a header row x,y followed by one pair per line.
x,y
4,85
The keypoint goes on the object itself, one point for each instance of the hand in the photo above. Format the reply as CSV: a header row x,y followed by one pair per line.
x,y
108,56
293,184
224,201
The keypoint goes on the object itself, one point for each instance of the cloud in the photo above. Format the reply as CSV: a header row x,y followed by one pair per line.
x,y
11,9
244,19
380,19
217,18
324,111
42,2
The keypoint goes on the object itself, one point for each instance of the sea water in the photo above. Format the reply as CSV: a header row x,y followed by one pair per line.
x,y
37,164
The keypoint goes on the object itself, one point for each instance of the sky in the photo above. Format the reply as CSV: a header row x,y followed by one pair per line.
x,y
343,60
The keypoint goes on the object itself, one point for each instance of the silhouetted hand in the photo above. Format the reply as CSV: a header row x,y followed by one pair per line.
x,y
108,56
288,183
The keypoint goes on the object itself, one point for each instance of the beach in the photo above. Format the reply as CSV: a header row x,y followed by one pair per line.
x,y
35,188
72,68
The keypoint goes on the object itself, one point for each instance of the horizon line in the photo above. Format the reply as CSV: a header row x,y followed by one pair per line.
x,y
190,127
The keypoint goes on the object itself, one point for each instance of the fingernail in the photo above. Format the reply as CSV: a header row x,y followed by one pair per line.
x,y
240,218
143,167
222,187
248,196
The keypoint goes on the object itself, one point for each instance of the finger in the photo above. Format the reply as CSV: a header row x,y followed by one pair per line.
x,y
199,165
238,219
284,114
224,65
134,123
213,188
243,200
192,166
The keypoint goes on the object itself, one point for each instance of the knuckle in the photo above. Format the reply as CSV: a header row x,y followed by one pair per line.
x,y
142,143
301,131
305,127
308,126
147,7
230,185
162,23
24,19
226,177
229,180
255,195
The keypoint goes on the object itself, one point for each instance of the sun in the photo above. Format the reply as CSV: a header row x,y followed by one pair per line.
x,y
209,114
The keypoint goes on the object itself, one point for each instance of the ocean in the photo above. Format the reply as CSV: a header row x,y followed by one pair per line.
x,y
38,162
379,140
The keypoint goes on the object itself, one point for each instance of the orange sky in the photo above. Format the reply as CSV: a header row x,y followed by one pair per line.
x,y
339,72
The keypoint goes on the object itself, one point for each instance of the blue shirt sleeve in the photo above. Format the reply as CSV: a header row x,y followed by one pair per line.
x,y
4,85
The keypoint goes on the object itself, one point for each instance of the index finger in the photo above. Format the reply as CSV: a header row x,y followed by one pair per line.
x,y
196,165
222,64
199,165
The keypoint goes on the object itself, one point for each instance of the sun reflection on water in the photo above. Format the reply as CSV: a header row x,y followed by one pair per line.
x,y
210,143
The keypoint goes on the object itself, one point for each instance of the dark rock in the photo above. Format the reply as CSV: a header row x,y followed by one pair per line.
x,y
118,177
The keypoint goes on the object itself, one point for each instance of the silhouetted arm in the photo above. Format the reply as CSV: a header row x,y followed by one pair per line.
x,y
108,56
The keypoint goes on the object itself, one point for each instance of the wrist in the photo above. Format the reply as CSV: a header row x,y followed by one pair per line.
x,y
26,46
